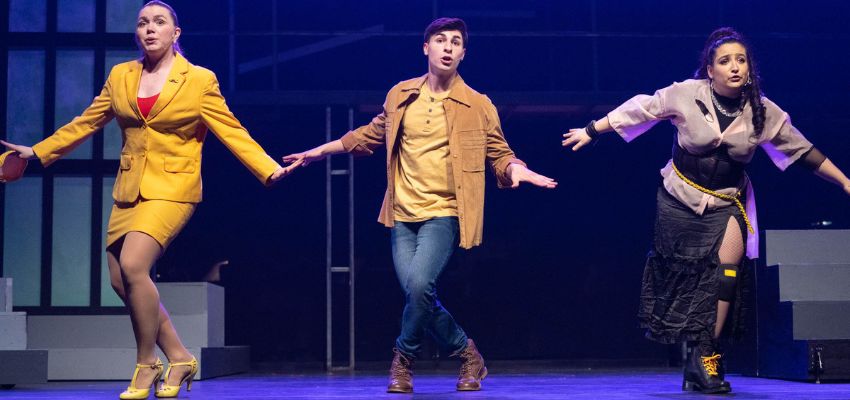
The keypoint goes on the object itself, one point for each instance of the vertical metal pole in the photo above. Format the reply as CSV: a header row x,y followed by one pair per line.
x,y
48,181
350,248
328,255
231,44
595,41
275,50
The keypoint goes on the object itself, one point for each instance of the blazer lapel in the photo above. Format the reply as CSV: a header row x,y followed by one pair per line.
x,y
131,82
176,78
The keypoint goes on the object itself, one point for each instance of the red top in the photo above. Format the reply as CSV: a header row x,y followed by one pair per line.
x,y
146,103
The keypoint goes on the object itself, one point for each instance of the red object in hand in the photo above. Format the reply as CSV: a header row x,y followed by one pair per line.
x,y
12,166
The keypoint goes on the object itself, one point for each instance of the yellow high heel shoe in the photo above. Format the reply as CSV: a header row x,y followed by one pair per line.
x,y
166,390
132,391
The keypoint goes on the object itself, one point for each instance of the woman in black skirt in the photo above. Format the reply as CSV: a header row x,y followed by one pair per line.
x,y
705,223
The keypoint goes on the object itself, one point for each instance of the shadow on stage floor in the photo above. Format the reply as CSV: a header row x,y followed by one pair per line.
x,y
507,380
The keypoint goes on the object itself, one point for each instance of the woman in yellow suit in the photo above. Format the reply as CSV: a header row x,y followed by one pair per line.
x,y
164,106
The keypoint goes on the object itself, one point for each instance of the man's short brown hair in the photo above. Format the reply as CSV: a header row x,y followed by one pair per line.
x,y
447,24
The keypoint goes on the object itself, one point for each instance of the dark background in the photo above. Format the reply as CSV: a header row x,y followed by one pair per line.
x,y
559,273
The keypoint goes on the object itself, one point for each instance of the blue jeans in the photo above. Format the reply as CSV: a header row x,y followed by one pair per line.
x,y
421,251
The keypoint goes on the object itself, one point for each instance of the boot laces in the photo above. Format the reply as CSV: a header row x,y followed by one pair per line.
x,y
710,364
466,369
467,365
399,371
401,368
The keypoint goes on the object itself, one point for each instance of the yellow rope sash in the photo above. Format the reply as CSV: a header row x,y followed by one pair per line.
x,y
735,198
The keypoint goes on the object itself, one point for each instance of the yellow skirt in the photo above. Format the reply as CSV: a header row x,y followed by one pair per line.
x,y
161,219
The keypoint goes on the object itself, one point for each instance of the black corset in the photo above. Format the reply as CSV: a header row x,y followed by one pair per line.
x,y
713,170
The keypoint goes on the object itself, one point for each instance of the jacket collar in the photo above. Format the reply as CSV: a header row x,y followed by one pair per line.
x,y
175,80
458,92
739,124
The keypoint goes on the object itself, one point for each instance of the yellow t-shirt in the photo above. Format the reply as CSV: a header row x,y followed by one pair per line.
x,y
423,181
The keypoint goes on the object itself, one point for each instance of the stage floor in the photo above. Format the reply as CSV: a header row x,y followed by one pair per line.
x,y
504,382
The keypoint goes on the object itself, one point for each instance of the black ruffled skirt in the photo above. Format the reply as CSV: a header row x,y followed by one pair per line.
x,y
680,281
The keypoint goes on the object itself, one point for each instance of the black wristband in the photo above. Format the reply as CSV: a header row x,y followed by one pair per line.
x,y
591,130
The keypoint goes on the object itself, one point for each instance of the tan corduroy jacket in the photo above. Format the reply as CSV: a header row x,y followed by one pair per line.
x,y
475,139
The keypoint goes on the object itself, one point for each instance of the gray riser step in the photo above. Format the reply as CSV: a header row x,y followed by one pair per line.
x,y
814,320
114,331
821,246
813,282
13,331
118,363
22,366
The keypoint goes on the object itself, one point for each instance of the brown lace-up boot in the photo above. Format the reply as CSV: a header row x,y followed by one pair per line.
x,y
401,373
472,371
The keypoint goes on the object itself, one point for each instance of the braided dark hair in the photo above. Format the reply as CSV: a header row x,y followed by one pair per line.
x,y
752,91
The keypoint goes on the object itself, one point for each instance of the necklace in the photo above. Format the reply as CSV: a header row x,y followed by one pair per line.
x,y
722,110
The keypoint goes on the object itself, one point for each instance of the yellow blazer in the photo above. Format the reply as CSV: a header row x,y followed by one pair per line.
x,y
161,156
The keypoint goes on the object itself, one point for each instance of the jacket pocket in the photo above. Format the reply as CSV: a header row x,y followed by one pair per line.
x,y
473,150
180,165
126,162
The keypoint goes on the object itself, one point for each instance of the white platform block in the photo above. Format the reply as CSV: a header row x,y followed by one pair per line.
x,y
102,347
5,294
801,247
80,331
196,309
13,331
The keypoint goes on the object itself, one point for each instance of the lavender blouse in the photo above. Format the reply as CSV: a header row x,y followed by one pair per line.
x,y
699,133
